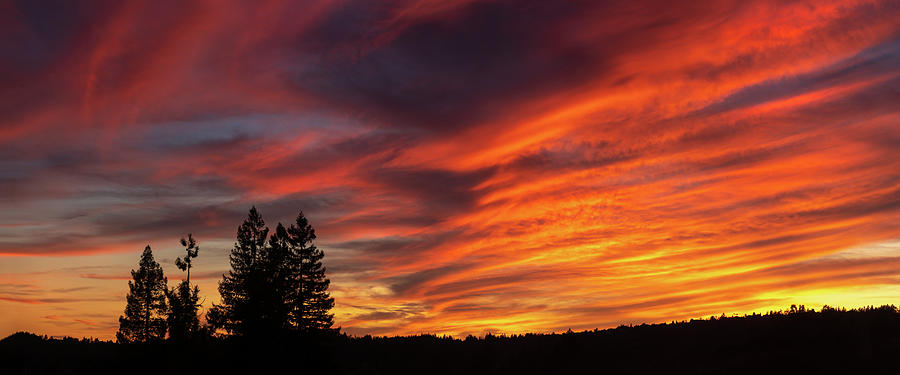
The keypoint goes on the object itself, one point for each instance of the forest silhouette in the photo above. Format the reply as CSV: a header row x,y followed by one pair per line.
x,y
274,316
798,340
276,288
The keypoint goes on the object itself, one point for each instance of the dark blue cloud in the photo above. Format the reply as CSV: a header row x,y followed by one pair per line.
x,y
877,61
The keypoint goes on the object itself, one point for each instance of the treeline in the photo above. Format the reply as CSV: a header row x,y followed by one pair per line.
x,y
797,340
276,288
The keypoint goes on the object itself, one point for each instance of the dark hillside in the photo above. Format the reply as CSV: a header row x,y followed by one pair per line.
x,y
797,341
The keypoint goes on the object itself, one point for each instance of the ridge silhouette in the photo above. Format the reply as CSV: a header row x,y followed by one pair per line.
x,y
798,340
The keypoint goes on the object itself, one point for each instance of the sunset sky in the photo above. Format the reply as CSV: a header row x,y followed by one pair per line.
x,y
469,166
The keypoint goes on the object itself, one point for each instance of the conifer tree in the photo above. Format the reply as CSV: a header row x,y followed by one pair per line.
x,y
282,277
276,285
145,309
243,288
192,251
183,300
182,317
312,303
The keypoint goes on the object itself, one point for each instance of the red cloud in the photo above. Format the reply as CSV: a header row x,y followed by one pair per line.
x,y
468,165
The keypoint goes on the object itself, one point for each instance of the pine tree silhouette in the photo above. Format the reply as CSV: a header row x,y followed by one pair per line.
x,y
192,251
243,289
282,277
274,286
183,300
145,309
313,303
182,317
297,277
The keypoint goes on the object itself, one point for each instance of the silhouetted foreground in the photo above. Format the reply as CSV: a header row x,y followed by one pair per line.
x,y
797,341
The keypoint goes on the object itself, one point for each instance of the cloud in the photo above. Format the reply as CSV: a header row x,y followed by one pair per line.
x,y
37,301
104,277
467,165
873,62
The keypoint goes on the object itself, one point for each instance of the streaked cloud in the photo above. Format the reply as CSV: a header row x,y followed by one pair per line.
x,y
470,166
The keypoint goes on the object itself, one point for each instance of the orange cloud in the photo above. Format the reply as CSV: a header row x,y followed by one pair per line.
x,y
470,166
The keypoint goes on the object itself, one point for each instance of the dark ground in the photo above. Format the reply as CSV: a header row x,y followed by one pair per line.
x,y
805,342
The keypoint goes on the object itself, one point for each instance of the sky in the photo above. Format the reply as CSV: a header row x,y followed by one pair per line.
x,y
469,166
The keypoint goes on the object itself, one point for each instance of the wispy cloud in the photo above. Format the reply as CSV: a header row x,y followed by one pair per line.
x,y
469,166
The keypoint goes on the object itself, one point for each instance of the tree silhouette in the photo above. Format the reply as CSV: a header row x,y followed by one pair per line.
x,y
282,277
192,250
313,303
276,285
297,276
145,310
183,300
243,288
182,317
834,341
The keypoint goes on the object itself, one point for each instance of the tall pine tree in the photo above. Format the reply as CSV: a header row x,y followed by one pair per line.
x,y
145,310
243,289
297,278
312,303
183,300
282,277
